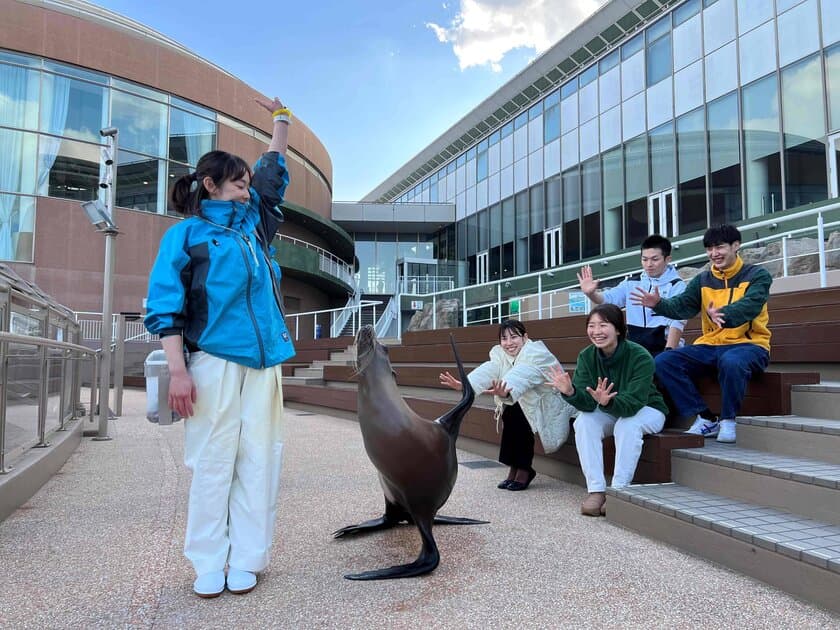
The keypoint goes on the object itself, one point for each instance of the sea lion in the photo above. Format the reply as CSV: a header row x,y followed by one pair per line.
x,y
415,457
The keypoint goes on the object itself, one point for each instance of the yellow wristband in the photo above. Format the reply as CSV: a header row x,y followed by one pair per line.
x,y
283,111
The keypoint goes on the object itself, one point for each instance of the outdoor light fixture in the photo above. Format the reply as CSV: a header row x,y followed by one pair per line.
x,y
98,216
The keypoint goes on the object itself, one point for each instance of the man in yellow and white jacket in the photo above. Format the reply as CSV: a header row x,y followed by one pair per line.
x,y
732,300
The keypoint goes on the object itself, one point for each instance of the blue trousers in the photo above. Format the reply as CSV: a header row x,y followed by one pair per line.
x,y
734,364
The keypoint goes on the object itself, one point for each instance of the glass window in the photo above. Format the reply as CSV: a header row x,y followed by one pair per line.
x,y
535,110
609,62
658,29
612,165
507,129
142,123
481,194
495,217
633,116
799,32
386,270
804,129
571,215
569,113
483,229
535,134
569,149
493,158
68,169
610,128
493,194
691,160
471,153
662,162
591,204
721,72
688,42
19,151
632,75
192,107
73,71
537,205
482,146
481,166
461,160
18,213
636,188
519,122
552,99
137,182
830,21
535,167
688,88
660,105
589,144
760,112
588,102
630,48
495,137
508,220
553,203
784,5
506,182
470,176
609,89
522,233
686,11
758,53
659,61
588,75
551,123
145,92
520,174
718,25
19,97
520,143
567,89
506,151
751,13
73,108
832,75
551,158
190,136
23,60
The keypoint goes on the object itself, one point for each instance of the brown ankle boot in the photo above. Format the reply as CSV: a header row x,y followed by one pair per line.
x,y
593,504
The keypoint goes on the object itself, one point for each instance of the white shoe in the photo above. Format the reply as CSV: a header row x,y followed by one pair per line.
x,y
210,584
240,582
706,428
727,432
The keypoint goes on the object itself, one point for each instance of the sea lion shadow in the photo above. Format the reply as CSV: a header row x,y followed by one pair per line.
x,y
415,457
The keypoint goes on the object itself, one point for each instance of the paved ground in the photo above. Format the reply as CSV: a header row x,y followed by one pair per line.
x,y
100,546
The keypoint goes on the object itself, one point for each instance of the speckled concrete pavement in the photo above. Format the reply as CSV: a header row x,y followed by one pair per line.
x,y
100,546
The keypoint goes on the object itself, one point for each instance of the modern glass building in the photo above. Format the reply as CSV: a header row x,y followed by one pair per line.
x,y
667,117
68,69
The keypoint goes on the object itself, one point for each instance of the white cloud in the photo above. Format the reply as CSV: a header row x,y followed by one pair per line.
x,y
484,31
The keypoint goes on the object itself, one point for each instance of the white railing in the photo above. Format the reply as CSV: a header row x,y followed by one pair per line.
x,y
90,326
538,296
420,285
340,319
293,320
328,263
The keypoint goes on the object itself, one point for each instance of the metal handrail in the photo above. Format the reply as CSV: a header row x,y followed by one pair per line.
x,y
355,313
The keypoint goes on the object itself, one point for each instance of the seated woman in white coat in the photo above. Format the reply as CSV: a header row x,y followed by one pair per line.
x,y
614,391
516,376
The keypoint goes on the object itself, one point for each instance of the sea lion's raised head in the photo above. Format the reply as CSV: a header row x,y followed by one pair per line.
x,y
370,354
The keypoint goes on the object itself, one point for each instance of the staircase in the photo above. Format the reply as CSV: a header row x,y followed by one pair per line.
x,y
313,374
768,507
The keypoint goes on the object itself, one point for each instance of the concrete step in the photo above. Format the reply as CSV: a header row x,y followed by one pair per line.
x,y
792,552
804,486
302,380
816,401
321,362
311,372
812,438
344,355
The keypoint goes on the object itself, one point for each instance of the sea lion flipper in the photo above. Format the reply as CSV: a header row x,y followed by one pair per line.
x,y
457,520
426,562
451,421
394,514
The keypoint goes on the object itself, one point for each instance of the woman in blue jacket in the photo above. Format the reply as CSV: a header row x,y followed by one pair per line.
x,y
214,300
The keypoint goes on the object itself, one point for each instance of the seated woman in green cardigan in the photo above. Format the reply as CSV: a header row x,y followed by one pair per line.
x,y
613,388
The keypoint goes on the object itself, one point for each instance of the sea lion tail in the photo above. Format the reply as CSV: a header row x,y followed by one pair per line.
x,y
451,421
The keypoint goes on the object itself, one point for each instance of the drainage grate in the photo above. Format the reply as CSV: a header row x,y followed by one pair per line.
x,y
482,463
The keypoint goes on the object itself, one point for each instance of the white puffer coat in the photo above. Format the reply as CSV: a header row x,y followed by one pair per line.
x,y
525,375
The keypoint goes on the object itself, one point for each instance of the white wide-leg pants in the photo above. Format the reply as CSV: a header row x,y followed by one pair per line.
x,y
233,445
591,427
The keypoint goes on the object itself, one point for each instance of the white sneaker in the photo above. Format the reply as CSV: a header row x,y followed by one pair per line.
x,y
704,427
209,584
240,582
727,431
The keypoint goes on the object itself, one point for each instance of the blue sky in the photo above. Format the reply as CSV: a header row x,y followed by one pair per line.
x,y
376,80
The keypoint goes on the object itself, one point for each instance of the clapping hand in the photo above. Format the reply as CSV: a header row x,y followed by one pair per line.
x,y
716,315
560,380
640,297
587,283
603,393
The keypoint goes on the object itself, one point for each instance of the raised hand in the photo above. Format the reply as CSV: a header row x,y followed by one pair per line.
x,y
272,105
716,315
587,283
560,380
603,393
450,381
640,297
498,388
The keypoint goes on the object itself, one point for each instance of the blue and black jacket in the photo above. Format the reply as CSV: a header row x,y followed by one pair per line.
x,y
215,280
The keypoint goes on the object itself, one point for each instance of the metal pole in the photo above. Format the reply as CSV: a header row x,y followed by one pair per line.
x,y
119,365
43,397
107,331
539,296
498,302
4,388
464,305
94,379
785,256
434,312
821,246
315,326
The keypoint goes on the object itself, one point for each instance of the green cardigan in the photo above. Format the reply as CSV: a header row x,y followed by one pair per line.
x,y
631,370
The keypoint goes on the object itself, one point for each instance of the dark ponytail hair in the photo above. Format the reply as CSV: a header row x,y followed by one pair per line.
x,y
188,191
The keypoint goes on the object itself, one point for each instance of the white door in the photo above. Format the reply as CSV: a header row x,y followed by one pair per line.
x,y
662,214
481,266
553,248
833,149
